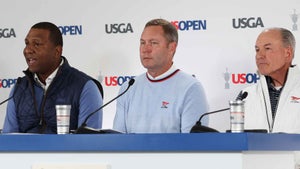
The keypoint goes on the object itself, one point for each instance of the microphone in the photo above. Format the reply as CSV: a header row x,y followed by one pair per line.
x,y
198,128
242,95
84,129
4,101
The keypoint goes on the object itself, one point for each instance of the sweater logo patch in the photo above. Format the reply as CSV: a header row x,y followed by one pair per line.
x,y
164,104
295,99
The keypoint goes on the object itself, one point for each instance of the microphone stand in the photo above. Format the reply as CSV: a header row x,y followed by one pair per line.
x,y
84,129
4,101
198,128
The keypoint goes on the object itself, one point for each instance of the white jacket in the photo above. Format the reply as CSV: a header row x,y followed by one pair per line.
x,y
258,114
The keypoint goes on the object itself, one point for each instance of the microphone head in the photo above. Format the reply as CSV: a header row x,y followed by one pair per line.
x,y
244,95
131,81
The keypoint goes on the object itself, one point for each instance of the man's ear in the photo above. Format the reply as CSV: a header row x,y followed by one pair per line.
x,y
289,54
58,51
172,46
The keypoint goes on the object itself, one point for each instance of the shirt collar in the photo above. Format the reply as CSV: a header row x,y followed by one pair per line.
x,y
49,78
166,74
271,86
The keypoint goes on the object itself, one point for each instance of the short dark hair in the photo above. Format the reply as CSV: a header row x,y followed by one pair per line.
x,y
55,35
170,31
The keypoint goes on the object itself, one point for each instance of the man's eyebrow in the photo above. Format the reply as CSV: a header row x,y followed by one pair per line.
x,y
268,44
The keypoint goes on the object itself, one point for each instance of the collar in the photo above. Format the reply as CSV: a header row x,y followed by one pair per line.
x,y
271,86
169,73
49,78
270,80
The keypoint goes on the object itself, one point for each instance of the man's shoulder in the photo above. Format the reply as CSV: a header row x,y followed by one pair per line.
x,y
79,74
68,70
186,77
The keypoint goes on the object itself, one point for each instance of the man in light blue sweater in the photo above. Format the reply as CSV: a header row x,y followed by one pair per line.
x,y
164,99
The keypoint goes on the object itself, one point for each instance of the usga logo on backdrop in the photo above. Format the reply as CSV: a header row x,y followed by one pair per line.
x,y
118,28
251,22
7,83
7,32
239,78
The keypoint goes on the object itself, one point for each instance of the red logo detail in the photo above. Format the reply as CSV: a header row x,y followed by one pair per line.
x,y
294,98
164,104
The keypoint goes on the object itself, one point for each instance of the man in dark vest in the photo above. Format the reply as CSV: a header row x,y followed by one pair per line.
x,y
49,81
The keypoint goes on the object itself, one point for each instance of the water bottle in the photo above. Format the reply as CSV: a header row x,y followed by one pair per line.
x,y
237,111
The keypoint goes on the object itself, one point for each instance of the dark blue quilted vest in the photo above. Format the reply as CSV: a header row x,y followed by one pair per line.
x,y
65,88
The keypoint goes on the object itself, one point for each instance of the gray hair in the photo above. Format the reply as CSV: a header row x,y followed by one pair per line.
x,y
288,38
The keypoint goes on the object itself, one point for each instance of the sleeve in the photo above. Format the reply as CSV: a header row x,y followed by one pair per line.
x,y
195,104
90,100
10,122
